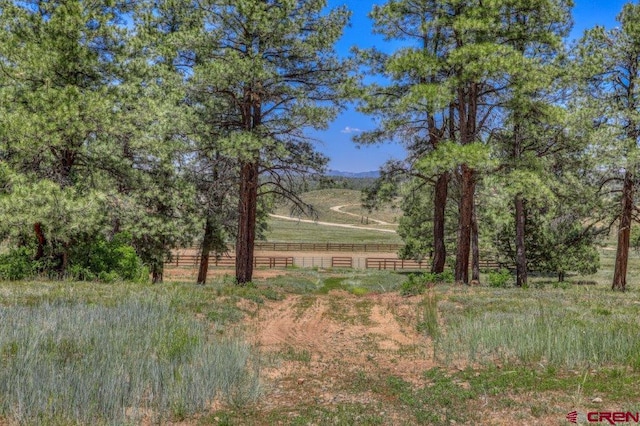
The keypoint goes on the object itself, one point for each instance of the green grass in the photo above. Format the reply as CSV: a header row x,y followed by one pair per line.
x,y
357,282
291,231
341,414
87,353
427,316
292,354
67,362
322,200
578,327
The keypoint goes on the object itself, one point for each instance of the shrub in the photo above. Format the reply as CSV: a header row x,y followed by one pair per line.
x,y
417,283
445,277
106,260
17,264
501,278
413,286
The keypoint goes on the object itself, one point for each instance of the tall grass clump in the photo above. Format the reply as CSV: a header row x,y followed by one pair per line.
x,y
558,336
428,315
76,363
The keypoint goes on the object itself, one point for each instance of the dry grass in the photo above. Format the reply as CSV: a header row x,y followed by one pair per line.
x,y
283,230
323,200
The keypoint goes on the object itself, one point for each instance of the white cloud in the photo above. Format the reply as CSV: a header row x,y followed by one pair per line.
x,y
350,130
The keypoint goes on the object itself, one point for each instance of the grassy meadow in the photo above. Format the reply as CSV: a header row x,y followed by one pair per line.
x,y
324,199
79,353
86,353
291,231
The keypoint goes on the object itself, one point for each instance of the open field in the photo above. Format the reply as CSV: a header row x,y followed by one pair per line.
x,y
326,201
291,231
317,347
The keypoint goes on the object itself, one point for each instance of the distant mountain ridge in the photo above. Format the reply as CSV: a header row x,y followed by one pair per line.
x,y
369,174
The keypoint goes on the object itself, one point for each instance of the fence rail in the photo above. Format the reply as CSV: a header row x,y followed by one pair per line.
x,y
272,262
384,263
358,262
348,247
302,247
341,262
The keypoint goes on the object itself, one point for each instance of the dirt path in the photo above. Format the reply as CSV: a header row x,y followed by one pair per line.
x,y
339,210
324,347
337,225
328,340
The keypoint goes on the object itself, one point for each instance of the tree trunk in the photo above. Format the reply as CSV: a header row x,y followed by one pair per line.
x,y
521,254
624,233
63,260
207,245
42,241
475,248
157,274
464,225
247,209
561,276
440,204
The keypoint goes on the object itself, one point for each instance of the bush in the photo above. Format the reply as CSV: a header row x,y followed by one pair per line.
x,y
413,286
501,278
445,277
107,261
417,283
17,264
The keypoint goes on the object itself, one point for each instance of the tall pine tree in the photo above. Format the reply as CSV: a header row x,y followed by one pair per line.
x,y
613,59
273,65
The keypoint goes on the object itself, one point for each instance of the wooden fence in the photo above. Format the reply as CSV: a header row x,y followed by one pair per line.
x,y
342,262
273,262
311,247
384,263
190,260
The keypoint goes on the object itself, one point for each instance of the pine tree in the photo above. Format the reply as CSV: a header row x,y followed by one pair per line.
x,y
415,106
535,30
58,123
273,66
613,61
467,57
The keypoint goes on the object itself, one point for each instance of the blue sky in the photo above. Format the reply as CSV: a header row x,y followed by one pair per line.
x,y
336,143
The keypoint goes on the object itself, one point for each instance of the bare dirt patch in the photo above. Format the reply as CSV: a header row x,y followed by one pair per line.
x,y
327,340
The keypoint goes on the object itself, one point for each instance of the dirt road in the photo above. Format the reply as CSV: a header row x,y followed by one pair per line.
x,y
339,210
337,225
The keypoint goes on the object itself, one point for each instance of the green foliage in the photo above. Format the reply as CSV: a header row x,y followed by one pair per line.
x,y
252,92
500,279
413,286
418,283
609,99
447,156
107,260
84,134
556,239
17,264
95,259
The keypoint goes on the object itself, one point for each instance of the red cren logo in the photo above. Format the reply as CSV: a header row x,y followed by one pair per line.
x,y
608,417
573,417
